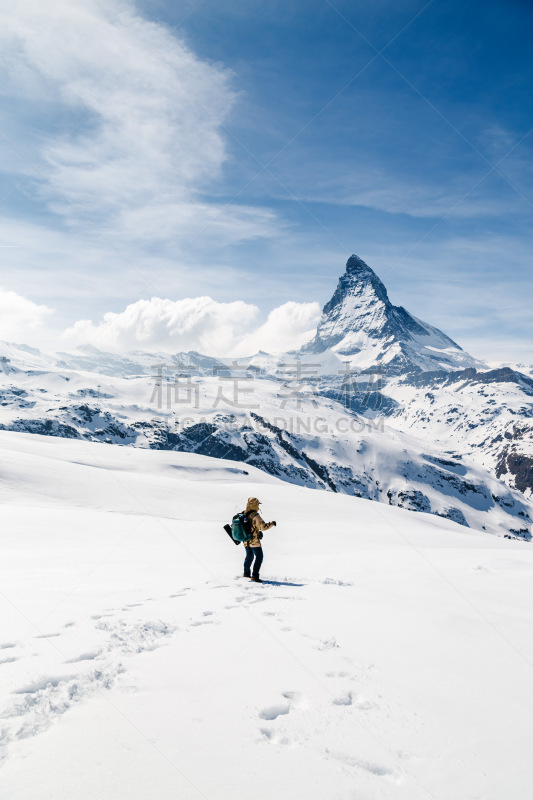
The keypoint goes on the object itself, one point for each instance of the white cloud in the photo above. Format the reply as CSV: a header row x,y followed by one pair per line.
x,y
287,327
199,323
20,318
150,138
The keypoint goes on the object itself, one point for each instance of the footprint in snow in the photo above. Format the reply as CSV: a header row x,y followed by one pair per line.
x,y
343,699
296,699
368,766
321,644
349,699
85,657
290,700
363,704
137,637
273,712
338,675
203,621
44,683
326,644
275,738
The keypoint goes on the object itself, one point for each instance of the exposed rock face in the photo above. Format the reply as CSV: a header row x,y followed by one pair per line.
x,y
520,466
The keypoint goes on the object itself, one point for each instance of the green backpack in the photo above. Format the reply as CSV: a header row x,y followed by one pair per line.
x,y
241,527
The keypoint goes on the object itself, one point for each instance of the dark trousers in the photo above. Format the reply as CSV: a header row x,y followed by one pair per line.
x,y
251,553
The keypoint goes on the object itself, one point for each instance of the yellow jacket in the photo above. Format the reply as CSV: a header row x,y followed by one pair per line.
x,y
258,524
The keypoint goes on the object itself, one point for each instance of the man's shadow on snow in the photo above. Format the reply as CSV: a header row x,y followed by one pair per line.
x,y
282,583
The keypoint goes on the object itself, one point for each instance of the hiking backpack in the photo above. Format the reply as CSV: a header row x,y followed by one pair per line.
x,y
241,527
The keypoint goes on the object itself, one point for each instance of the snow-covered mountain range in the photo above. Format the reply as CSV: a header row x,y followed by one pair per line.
x,y
378,404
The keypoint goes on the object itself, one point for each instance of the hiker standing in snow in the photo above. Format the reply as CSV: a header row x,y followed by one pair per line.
x,y
253,547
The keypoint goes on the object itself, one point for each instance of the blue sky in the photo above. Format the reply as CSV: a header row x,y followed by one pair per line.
x,y
243,150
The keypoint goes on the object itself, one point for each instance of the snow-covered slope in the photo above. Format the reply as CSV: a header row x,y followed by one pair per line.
x,y
320,445
388,658
486,416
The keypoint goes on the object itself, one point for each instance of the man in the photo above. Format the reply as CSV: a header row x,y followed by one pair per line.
x,y
254,551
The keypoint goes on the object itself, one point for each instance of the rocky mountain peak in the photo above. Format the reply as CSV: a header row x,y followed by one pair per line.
x,y
355,263
358,279
360,321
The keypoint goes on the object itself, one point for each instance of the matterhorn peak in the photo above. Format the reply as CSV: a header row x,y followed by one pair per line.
x,y
358,279
361,322
355,264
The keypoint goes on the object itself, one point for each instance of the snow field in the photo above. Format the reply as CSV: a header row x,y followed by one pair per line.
x,y
390,656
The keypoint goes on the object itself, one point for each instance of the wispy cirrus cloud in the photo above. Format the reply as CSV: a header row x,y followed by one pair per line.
x,y
144,138
480,193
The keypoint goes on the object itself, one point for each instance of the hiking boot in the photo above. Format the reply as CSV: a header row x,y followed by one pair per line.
x,y
256,579
246,575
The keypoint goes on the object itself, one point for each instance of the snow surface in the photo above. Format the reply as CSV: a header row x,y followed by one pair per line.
x,y
390,655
